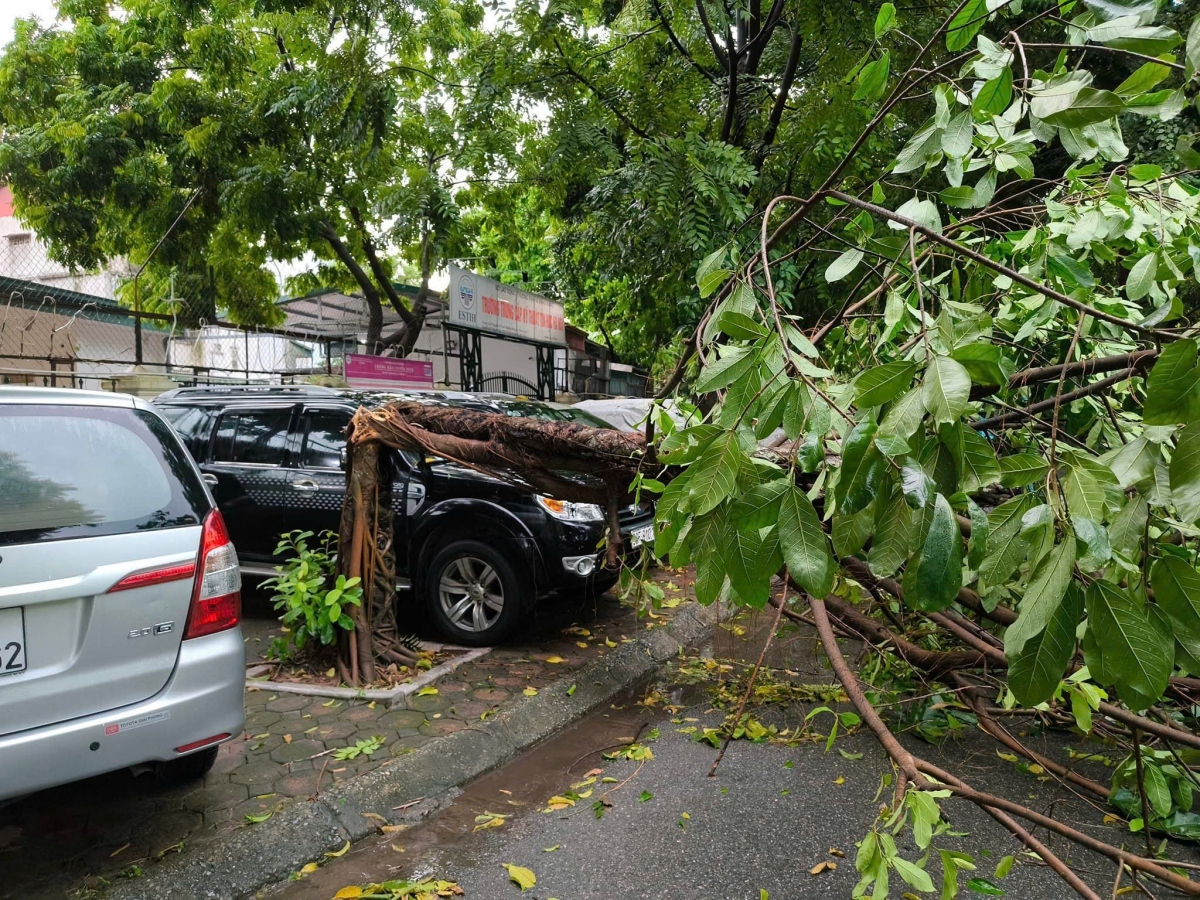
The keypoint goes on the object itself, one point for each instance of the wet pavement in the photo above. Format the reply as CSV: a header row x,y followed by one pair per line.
x,y
73,840
772,814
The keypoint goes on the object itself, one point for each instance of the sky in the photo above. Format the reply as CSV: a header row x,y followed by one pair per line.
x,y
22,9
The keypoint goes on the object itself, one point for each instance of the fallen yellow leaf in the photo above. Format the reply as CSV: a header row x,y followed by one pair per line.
x,y
841,779
337,853
582,644
287,738
331,673
392,829
530,692
520,876
348,893
427,691
554,660
308,868
824,866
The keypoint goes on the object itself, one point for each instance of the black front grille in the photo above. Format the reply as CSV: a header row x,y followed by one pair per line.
x,y
636,511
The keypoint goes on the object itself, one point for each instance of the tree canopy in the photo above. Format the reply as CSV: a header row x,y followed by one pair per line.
x,y
327,132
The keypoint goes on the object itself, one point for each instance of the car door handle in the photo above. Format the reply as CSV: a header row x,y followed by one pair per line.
x,y
305,484
209,478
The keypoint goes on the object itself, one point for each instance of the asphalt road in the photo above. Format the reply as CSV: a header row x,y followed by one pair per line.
x,y
759,825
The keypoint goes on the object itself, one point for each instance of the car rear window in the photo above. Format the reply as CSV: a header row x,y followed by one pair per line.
x,y
83,471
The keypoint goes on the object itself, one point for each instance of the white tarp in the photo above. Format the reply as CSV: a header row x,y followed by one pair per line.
x,y
484,304
628,413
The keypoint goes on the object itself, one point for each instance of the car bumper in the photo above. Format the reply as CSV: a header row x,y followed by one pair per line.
x,y
204,697
578,540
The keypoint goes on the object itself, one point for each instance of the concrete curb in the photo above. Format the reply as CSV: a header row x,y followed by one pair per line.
x,y
391,695
242,861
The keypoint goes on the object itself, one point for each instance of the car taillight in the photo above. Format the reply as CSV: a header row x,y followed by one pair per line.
x,y
217,596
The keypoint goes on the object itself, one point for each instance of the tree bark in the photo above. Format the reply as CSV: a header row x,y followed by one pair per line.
x,y
370,292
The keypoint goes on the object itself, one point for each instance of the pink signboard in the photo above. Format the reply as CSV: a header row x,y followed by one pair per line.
x,y
384,372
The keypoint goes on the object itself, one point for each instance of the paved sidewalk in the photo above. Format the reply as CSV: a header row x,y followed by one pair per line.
x,y
71,840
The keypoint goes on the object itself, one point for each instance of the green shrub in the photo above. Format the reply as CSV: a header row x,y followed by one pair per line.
x,y
309,609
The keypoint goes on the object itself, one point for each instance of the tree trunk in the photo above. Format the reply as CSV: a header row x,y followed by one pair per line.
x,y
365,526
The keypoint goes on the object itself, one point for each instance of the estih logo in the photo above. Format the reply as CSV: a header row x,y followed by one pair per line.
x,y
466,291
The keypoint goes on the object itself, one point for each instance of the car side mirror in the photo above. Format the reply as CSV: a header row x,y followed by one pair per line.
x,y
343,458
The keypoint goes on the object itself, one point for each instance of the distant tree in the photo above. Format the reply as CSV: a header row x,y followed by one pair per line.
x,y
328,131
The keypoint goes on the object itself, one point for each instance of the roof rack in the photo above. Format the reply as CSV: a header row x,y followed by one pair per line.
x,y
311,390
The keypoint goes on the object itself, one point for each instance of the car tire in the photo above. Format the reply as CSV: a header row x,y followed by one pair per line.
x,y
187,768
473,594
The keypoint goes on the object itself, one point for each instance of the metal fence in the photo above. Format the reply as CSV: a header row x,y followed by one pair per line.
x,y
54,337
60,328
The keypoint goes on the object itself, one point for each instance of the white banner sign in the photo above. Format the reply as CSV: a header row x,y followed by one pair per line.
x,y
484,304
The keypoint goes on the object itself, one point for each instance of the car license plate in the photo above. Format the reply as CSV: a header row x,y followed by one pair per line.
x,y
12,641
643,535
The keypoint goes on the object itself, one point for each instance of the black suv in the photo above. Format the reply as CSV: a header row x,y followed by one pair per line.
x,y
476,550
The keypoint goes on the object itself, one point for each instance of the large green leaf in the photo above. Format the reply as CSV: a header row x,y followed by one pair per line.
x,y
934,576
995,95
977,548
1177,592
979,466
1124,646
735,362
982,362
956,139
1045,592
803,543
850,533
916,485
1021,469
758,507
1134,461
905,415
1171,390
1185,474
1141,277
947,389
1129,526
883,384
854,489
1088,485
885,20
1089,107
714,474
750,561
966,24
843,265
1144,79
1034,674
872,78
893,535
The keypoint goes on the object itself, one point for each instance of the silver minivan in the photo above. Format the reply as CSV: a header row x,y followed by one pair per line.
x,y
119,595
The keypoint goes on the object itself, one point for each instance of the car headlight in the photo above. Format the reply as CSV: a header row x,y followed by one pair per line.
x,y
571,512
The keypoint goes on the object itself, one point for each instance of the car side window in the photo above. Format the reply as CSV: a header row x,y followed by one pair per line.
x,y
192,424
256,437
325,436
